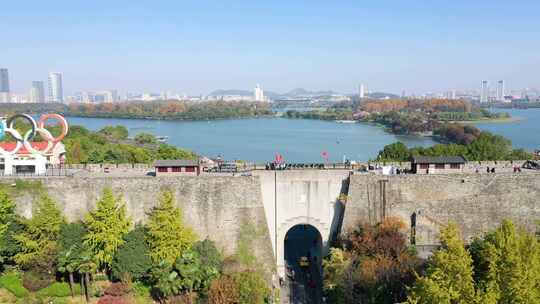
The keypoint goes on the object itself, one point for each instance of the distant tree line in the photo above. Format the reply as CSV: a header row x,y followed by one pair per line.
x,y
474,146
173,110
329,114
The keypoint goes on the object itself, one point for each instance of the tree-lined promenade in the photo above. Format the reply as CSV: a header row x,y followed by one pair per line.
x,y
106,258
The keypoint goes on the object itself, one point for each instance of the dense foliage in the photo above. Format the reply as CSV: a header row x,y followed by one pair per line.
x,y
328,114
53,258
374,267
111,145
131,261
485,146
180,110
501,267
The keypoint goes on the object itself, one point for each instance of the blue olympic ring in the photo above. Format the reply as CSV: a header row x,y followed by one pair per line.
x,y
2,129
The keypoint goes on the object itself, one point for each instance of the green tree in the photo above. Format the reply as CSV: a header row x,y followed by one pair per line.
x,y
449,277
394,152
116,133
489,147
131,261
71,250
87,266
145,138
106,227
334,274
508,263
209,254
167,235
7,212
252,287
39,238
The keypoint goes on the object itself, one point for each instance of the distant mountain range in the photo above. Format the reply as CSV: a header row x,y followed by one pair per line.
x,y
299,92
293,93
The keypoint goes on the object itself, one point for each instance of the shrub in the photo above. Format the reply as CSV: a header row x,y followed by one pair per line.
x,y
34,281
13,283
141,289
112,300
117,289
58,290
131,261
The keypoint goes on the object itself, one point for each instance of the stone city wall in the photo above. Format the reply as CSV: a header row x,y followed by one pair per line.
x,y
470,167
476,202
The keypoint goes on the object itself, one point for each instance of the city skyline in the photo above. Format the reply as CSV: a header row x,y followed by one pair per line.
x,y
55,87
197,47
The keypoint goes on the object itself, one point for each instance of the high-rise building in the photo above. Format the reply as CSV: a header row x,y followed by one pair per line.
x,y
259,93
500,90
362,91
4,81
37,93
56,91
484,91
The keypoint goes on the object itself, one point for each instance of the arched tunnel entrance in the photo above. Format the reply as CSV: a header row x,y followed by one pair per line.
x,y
303,256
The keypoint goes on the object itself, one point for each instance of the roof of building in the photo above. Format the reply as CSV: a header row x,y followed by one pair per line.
x,y
176,162
438,159
40,145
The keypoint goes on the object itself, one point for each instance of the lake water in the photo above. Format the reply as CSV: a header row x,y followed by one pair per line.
x,y
260,139
299,140
524,133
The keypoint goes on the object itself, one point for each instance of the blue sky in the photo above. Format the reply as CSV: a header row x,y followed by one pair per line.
x,y
198,46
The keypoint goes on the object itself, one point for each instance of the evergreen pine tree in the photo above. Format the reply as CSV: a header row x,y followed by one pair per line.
x,y
512,264
167,235
39,238
106,227
449,276
7,212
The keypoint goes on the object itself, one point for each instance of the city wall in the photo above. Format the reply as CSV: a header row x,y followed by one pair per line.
x,y
476,202
215,207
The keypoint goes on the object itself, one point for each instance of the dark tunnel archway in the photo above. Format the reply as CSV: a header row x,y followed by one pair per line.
x,y
303,256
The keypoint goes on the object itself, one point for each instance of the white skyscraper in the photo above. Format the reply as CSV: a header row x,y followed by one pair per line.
x,y
4,86
362,92
484,91
259,93
500,90
56,90
37,93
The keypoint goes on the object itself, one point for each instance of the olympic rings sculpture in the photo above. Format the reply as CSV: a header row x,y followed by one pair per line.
x,y
7,126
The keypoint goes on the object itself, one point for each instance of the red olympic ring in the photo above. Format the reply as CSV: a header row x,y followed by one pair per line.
x,y
49,137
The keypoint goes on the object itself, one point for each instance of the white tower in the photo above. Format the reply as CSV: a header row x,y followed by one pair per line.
x,y
484,91
362,92
259,93
500,90
56,90
37,93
